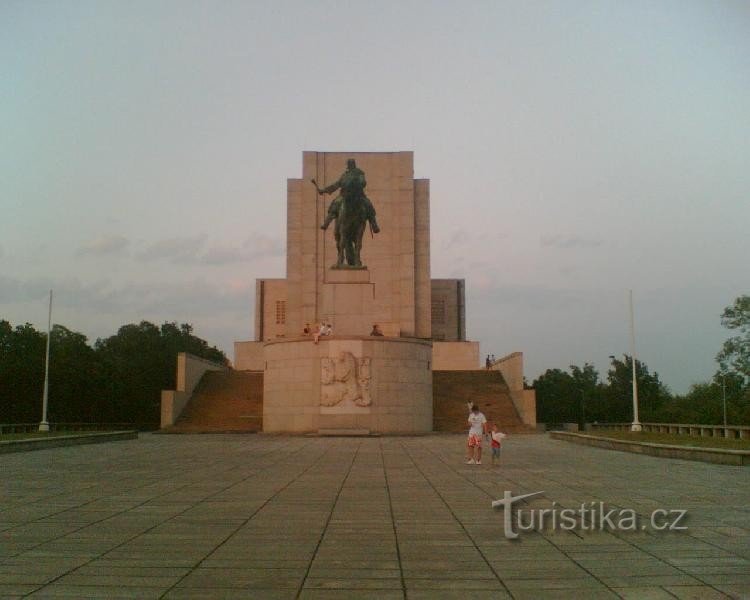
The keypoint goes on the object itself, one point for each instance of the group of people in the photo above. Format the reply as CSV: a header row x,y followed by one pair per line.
x,y
324,329
320,330
479,428
489,361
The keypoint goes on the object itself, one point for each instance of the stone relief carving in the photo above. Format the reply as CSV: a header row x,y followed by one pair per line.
x,y
345,378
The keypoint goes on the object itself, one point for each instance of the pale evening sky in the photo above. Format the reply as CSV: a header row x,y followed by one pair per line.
x,y
575,150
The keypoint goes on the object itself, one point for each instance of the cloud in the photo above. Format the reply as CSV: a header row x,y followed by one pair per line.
x,y
461,237
256,246
14,290
190,250
531,297
457,238
189,297
568,241
180,250
261,246
104,245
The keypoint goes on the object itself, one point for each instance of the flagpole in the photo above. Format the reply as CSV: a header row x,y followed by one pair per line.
x,y
636,426
44,425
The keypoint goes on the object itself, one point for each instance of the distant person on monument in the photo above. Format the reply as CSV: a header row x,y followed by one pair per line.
x,y
352,209
376,331
488,362
326,330
477,428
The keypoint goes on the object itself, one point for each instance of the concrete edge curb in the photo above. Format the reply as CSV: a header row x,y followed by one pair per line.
x,y
712,455
9,446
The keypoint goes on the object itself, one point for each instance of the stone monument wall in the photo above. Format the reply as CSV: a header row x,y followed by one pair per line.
x,y
375,384
394,291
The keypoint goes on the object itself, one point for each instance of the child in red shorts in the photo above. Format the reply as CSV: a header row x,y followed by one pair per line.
x,y
477,427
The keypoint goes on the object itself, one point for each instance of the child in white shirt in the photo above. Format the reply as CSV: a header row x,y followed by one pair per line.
x,y
496,443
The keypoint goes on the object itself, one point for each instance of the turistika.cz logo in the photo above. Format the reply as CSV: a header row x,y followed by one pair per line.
x,y
590,516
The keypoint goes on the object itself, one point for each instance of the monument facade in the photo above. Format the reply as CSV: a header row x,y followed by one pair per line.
x,y
358,255
351,273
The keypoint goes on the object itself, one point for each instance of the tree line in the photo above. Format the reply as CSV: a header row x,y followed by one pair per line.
x,y
117,380
580,395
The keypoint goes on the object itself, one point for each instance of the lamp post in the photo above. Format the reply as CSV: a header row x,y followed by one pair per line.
x,y
44,425
724,401
636,426
583,410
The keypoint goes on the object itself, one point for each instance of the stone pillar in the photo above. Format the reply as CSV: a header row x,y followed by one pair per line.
x,y
422,281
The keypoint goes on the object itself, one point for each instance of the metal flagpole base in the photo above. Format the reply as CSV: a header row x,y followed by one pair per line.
x,y
44,426
636,427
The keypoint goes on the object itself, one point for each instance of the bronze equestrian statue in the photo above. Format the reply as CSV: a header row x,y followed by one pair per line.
x,y
352,210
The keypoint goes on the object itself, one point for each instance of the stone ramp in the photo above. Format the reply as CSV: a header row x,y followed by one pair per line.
x,y
451,390
224,401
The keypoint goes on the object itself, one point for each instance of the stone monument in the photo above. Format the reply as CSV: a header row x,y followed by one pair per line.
x,y
353,380
392,324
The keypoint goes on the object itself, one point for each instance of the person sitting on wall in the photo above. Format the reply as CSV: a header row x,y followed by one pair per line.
x,y
326,330
307,330
376,330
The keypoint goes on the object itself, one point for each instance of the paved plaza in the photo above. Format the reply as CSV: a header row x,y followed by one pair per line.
x,y
259,516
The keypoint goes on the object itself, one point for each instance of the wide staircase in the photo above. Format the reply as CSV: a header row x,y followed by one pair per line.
x,y
232,401
224,401
451,390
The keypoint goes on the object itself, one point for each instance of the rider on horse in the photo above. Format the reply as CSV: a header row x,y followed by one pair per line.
x,y
351,183
352,209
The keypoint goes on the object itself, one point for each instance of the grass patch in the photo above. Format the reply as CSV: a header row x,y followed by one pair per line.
x,y
671,439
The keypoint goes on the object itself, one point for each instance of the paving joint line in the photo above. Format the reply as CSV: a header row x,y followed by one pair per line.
x,y
255,512
546,538
450,509
614,534
328,520
393,520
94,558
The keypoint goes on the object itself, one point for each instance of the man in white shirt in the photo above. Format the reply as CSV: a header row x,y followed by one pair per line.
x,y
477,428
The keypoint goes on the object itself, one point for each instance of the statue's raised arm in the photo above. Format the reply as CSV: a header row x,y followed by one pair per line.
x,y
328,189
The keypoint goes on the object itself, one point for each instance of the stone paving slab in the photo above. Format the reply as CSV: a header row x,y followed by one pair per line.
x,y
233,516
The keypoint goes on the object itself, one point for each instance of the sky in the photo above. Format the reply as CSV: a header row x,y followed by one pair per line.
x,y
575,150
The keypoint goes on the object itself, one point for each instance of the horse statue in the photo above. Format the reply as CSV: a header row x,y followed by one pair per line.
x,y
352,210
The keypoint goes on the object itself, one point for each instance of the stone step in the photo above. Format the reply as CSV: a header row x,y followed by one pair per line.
x,y
344,432
224,401
232,401
451,390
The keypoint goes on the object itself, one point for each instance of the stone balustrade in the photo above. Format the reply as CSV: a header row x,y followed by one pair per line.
x,y
730,431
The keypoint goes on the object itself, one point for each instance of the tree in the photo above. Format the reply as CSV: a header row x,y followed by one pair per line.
x,y
74,378
572,397
652,393
554,397
140,361
735,354
119,380
22,351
